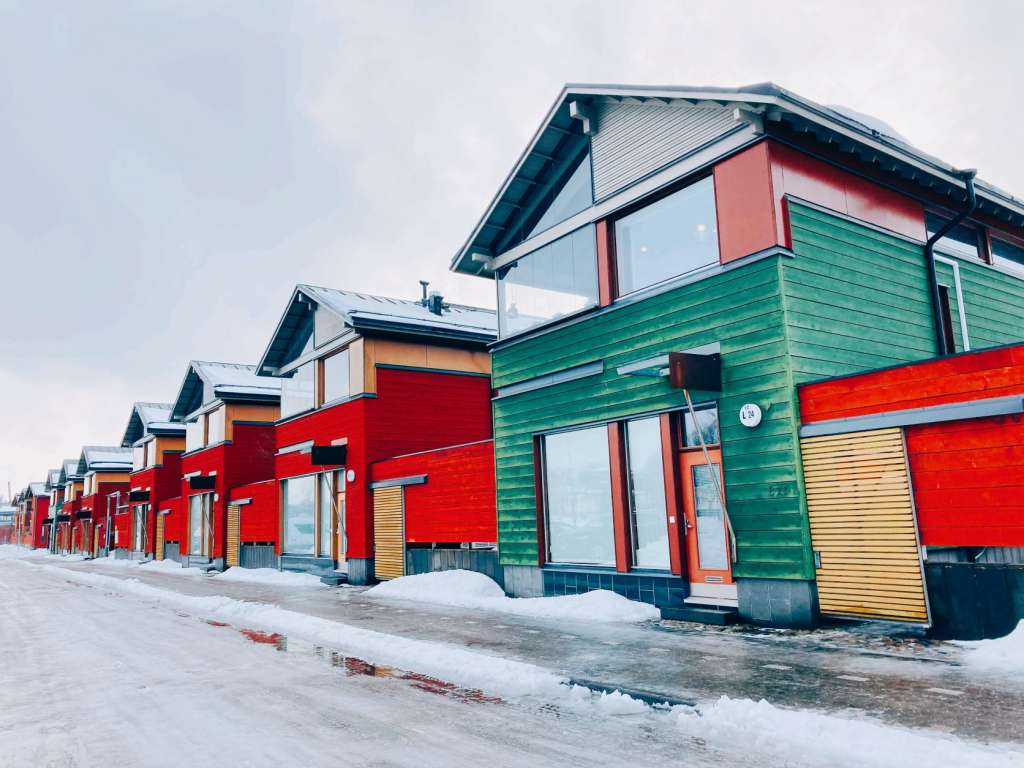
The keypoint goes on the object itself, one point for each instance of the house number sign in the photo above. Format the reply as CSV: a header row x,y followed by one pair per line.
x,y
750,415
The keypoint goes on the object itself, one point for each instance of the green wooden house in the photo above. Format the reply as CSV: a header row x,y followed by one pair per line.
x,y
724,245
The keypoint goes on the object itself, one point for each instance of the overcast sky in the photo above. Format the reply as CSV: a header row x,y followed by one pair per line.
x,y
171,169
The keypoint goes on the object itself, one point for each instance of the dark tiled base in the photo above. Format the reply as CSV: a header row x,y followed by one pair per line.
x,y
318,566
656,589
360,570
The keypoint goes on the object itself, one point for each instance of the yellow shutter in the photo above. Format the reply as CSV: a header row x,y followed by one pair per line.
x,y
160,521
234,523
863,529
388,533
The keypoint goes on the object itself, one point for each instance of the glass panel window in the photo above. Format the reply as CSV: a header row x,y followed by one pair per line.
x,y
215,426
326,326
200,523
141,512
195,434
1006,254
578,496
326,508
299,514
151,453
712,551
647,493
705,424
336,376
670,237
138,457
576,194
959,241
554,281
297,391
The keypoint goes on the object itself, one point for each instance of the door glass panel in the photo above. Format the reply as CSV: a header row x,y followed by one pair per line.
x,y
711,548
647,493
339,483
579,500
326,507
195,516
299,515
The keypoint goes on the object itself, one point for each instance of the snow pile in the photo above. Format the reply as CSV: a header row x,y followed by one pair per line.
x,y
270,576
1005,654
828,740
467,589
172,567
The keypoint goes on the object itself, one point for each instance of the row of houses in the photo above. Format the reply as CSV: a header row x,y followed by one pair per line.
x,y
752,356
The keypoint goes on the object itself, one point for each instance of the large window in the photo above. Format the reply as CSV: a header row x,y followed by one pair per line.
x,y
215,432
1008,255
647,493
140,513
138,457
200,524
336,377
195,434
577,484
670,237
298,495
326,505
554,281
297,391
574,196
959,241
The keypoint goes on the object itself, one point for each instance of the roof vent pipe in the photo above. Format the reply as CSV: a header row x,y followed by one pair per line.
x,y
944,345
435,303
423,287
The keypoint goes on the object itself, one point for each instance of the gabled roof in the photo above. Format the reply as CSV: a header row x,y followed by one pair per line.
x,y
52,479
364,312
104,458
776,109
205,382
69,471
150,419
37,489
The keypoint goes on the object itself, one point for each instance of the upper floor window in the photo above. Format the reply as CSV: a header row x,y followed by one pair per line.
x,y
335,380
575,194
297,392
215,426
151,453
670,237
959,241
1008,255
138,457
195,433
554,281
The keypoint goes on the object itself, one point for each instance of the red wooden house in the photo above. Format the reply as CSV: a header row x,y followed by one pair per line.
x,y
70,502
157,444
365,378
104,472
32,511
229,416
918,490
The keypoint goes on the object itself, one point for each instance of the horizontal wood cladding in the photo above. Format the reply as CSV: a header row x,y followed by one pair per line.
x,y
969,481
741,310
456,503
259,518
960,378
857,299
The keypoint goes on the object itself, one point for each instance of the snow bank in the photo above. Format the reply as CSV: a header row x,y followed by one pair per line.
x,y
271,576
14,552
1005,654
466,589
829,740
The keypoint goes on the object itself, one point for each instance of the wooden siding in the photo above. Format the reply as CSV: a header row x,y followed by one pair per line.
x,y
862,526
388,533
742,310
857,299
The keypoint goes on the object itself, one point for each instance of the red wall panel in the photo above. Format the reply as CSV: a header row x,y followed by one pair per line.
x,y
746,210
958,378
457,502
259,519
968,481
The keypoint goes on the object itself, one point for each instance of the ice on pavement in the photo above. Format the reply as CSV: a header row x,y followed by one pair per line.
x,y
271,576
467,589
1005,654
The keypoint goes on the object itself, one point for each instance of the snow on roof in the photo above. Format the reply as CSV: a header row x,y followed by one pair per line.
x,y
147,418
104,457
206,381
69,469
351,305
37,489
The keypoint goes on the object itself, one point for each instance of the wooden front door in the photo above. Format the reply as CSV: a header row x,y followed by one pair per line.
x,y
388,533
234,533
707,537
160,523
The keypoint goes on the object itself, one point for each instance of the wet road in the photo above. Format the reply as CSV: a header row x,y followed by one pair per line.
x,y
903,681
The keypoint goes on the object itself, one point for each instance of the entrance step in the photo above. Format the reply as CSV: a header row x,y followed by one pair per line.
x,y
703,615
334,579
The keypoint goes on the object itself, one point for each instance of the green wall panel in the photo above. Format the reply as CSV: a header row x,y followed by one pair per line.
x,y
740,309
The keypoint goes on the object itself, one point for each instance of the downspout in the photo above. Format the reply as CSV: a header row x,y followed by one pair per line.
x,y
944,345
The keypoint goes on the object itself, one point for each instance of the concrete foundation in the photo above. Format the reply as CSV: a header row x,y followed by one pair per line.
x,y
360,571
778,602
523,581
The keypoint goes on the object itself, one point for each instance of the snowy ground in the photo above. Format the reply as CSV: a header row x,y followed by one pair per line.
x,y
164,668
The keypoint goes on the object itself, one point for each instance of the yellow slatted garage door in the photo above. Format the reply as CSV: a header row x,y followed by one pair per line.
x,y
388,533
160,522
234,528
862,526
